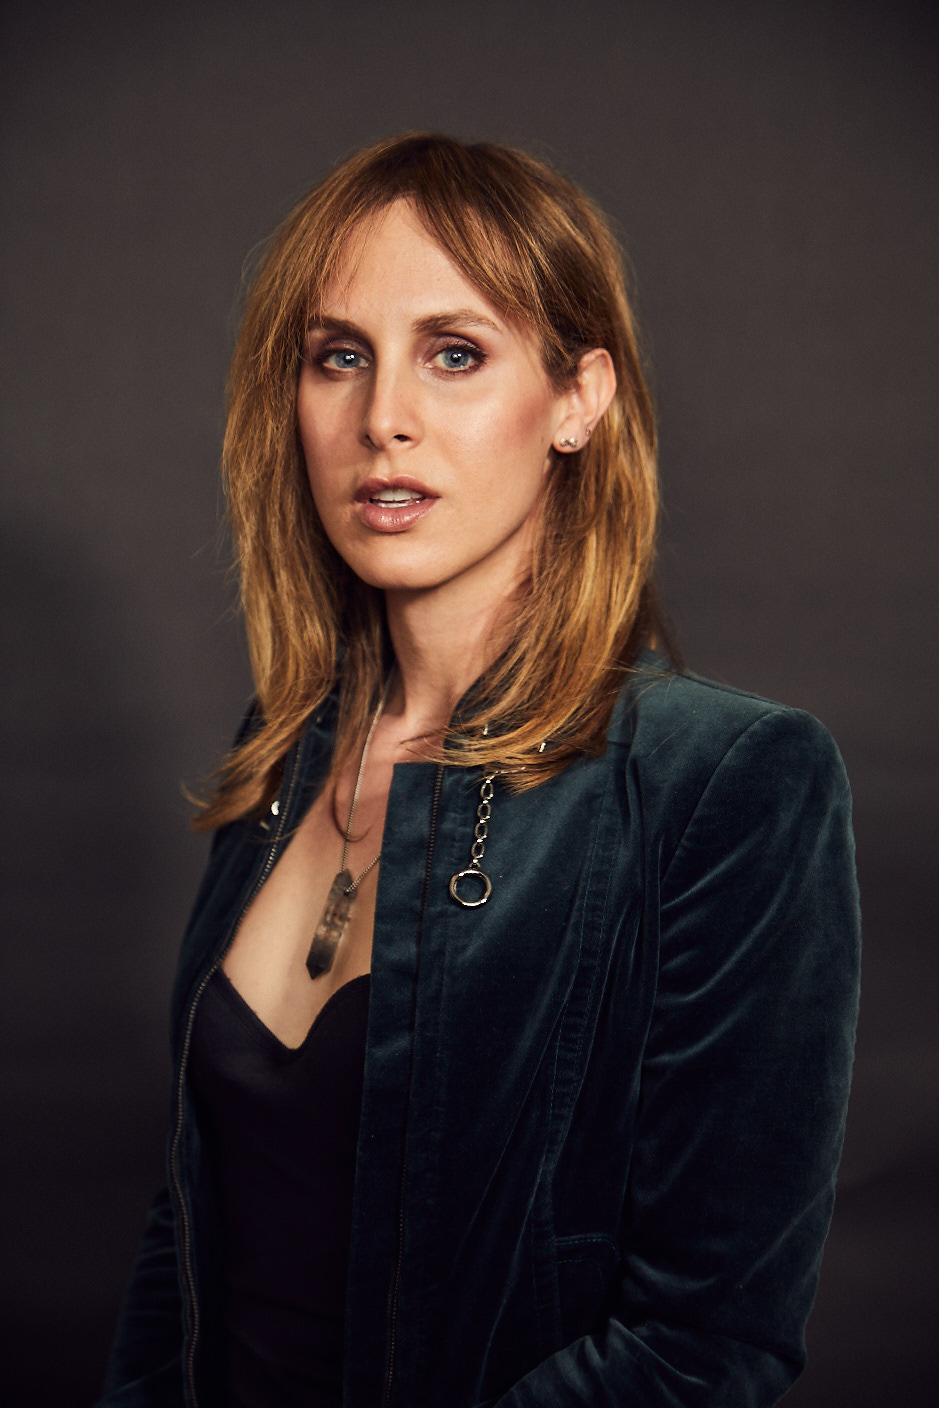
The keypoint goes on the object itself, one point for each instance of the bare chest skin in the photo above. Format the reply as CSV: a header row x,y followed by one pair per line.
x,y
267,960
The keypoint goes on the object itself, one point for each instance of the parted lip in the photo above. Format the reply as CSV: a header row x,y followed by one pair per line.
x,y
370,487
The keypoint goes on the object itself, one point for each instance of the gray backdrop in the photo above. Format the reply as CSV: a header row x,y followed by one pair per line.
x,y
771,167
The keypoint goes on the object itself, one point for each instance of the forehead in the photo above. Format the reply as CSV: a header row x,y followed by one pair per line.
x,y
390,258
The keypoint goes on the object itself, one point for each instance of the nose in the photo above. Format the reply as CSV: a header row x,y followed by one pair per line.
x,y
391,413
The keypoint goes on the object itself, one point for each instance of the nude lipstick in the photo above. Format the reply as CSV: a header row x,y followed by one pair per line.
x,y
392,505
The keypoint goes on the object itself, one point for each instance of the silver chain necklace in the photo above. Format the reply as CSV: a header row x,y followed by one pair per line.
x,y
342,892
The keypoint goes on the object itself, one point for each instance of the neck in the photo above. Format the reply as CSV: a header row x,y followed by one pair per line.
x,y
440,648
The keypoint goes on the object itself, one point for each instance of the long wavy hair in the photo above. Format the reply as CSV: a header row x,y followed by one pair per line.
x,y
542,254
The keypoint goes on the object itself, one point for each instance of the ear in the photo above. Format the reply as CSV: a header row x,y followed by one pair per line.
x,y
583,406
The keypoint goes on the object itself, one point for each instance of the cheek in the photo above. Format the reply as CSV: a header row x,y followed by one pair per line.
x,y
321,436
313,424
513,428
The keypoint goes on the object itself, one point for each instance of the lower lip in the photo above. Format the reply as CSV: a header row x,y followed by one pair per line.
x,y
393,518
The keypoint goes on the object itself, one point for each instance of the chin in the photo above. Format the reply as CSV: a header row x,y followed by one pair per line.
x,y
391,565
390,580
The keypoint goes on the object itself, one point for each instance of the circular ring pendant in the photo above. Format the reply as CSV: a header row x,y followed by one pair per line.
x,y
478,875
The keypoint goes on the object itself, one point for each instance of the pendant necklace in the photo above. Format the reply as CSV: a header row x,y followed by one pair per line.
x,y
342,891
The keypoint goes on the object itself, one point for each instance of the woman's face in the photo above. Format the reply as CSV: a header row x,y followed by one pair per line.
x,y
426,419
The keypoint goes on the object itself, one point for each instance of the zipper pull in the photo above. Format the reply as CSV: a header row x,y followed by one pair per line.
x,y
477,851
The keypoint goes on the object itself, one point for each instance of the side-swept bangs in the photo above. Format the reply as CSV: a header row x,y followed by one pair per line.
x,y
542,254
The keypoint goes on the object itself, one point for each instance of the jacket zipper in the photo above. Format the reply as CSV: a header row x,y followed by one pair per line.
x,y
189,1275
393,1327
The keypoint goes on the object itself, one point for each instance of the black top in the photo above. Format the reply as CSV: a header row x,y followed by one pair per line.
x,y
282,1127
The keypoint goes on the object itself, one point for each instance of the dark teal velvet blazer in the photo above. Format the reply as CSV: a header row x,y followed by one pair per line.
x,y
602,1114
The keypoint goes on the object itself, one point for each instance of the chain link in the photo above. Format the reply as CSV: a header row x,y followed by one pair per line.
x,y
483,813
478,848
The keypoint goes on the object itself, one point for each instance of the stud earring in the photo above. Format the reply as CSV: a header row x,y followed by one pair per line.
x,y
570,442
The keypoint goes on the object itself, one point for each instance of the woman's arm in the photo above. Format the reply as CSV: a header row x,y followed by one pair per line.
x,y
744,1088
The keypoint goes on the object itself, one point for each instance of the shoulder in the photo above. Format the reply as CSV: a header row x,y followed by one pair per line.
x,y
682,720
688,741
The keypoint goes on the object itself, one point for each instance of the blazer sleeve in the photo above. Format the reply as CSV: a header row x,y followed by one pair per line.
x,y
744,1088
145,1369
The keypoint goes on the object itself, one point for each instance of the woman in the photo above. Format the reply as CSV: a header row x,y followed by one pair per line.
x,y
514,1020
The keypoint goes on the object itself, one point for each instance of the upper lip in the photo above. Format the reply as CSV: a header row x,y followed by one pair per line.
x,y
369,487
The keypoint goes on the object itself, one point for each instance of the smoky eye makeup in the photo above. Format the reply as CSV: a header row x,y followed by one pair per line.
x,y
334,350
338,348
340,359
456,356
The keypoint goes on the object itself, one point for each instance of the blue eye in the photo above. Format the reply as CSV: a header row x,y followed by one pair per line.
x,y
458,358
342,359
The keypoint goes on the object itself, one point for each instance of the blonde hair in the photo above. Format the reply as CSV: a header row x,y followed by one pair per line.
x,y
540,252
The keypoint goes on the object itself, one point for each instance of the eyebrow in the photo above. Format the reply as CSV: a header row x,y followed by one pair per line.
x,y
431,323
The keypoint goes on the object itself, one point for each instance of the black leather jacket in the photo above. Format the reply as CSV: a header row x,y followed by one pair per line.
x,y
602,1113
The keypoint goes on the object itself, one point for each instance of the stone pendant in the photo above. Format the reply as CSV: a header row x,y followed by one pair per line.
x,y
332,925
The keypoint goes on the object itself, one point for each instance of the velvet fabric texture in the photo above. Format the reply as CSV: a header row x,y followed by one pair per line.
x,y
603,1113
